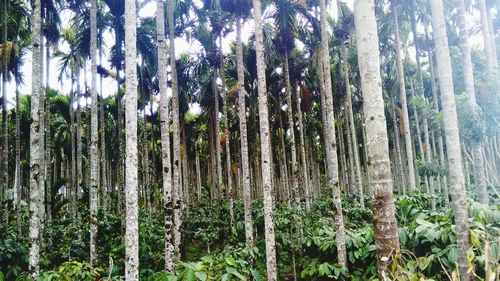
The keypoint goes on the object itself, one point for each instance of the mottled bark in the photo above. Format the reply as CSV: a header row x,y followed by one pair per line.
x,y
291,128
402,98
303,156
228,135
384,220
131,168
165,135
36,143
456,179
330,141
265,141
5,136
176,187
94,137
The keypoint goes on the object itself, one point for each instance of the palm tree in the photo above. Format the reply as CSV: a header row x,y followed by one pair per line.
x,y
131,190
379,169
176,187
241,9
284,18
265,142
5,137
330,141
402,98
94,154
455,172
36,142
477,144
165,135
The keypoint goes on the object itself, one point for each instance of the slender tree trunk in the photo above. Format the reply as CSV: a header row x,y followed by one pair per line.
x,y
397,147
385,225
5,129
291,128
477,142
303,155
452,137
228,134
165,136
427,146
73,151
330,141
102,133
286,182
265,140
404,104
220,184
176,188
352,127
17,190
442,162
486,37
36,142
94,137
79,170
131,178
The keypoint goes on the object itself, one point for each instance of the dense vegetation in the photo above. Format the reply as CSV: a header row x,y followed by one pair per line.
x,y
213,250
250,140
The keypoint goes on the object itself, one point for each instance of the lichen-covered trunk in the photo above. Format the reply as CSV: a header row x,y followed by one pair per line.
x,y
303,155
17,176
265,141
404,104
477,142
5,135
36,143
94,137
330,141
228,135
385,225
220,184
291,128
176,187
165,136
455,172
131,162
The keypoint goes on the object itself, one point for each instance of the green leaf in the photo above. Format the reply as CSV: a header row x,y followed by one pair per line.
x,y
201,275
233,271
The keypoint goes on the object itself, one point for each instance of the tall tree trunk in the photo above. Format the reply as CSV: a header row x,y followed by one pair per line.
x,y
265,140
402,98
131,178
79,168
455,172
220,184
291,127
330,141
36,148
73,188
397,147
486,37
427,146
435,100
286,181
477,142
5,129
385,225
303,155
352,126
17,190
94,137
228,133
104,177
165,136
176,188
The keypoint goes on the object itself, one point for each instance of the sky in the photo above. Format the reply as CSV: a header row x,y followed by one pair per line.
x,y
109,85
